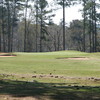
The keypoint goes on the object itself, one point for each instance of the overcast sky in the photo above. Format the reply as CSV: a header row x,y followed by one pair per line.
x,y
71,13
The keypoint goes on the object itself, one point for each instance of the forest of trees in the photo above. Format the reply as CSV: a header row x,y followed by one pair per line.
x,y
27,26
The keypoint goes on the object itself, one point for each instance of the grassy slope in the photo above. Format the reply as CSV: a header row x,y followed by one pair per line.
x,y
51,89
49,63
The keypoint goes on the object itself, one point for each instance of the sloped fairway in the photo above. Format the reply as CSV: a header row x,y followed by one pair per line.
x,y
64,75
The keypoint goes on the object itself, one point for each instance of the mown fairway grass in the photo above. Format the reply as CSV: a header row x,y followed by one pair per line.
x,y
53,62
59,77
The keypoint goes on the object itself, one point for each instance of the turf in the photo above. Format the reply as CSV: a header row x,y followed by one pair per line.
x,y
54,72
53,62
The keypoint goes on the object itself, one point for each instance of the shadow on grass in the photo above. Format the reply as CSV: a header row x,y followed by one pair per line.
x,y
56,91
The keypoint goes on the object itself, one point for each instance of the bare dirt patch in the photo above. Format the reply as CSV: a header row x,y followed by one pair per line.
x,y
8,97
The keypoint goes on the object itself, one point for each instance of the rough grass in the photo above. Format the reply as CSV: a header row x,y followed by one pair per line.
x,y
51,76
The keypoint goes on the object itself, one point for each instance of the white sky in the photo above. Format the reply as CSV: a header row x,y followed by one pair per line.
x,y
71,13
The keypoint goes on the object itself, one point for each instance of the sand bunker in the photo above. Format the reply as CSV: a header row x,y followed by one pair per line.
x,y
7,55
76,58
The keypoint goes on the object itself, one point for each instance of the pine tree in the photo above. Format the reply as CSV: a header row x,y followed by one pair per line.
x,y
64,3
43,16
25,34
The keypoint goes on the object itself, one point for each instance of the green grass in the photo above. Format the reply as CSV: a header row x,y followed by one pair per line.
x,y
78,76
49,63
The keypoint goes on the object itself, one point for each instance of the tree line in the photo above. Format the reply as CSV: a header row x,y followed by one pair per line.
x,y
27,26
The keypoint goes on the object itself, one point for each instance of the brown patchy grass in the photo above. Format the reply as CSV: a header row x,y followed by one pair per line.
x,y
23,90
16,89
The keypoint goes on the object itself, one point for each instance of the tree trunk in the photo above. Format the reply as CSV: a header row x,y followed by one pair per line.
x,y
95,28
36,26
93,41
90,35
0,40
64,25
41,36
13,22
41,33
3,26
25,34
8,30
84,28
